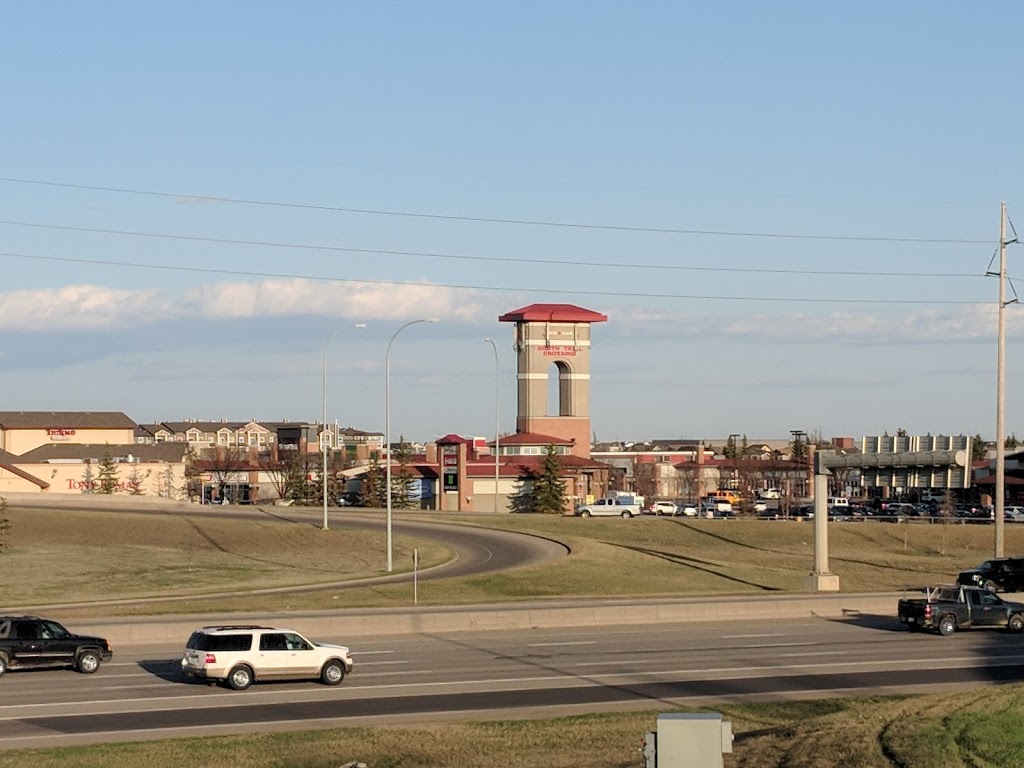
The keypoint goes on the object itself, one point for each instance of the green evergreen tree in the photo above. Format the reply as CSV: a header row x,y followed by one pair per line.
x,y
107,473
372,491
400,496
135,481
521,502
547,494
979,448
729,450
5,526
297,485
88,478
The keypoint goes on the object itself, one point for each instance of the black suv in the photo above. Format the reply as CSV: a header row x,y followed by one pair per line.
x,y
1003,574
28,641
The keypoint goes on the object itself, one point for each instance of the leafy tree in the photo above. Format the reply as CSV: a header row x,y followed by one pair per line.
x,y
1012,442
5,525
107,473
901,432
547,491
372,491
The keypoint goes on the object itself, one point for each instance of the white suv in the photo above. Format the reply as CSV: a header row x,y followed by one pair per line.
x,y
238,656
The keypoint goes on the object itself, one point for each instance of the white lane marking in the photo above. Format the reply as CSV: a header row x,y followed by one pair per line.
x,y
369,653
805,654
228,698
567,642
380,663
770,645
745,637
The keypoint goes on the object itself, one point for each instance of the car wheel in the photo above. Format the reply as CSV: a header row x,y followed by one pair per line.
x,y
239,678
332,673
3,664
1016,623
585,513
947,626
87,662
991,586
626,514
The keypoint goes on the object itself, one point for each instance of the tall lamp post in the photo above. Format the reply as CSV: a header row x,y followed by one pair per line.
x,y
323,431
387,422
496,422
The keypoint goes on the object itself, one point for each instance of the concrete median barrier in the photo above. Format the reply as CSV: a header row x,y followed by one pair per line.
x,y
162,630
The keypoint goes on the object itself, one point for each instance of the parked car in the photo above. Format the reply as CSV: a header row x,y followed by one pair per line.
x,y
1001,574
760,505
733,497
1013,514
28,641
241,655
663,508
715,507
770,493
686,509
611,506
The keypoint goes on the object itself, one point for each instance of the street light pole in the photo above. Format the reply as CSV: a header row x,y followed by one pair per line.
x,y
496,422
323,429
387,423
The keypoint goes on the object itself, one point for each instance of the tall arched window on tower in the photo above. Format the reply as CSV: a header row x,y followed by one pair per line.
x,y
560,389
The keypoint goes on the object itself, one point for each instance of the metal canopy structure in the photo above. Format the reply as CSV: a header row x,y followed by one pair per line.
x,y
821,579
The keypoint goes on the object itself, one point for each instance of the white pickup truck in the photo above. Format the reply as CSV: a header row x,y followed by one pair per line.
x,y
612,506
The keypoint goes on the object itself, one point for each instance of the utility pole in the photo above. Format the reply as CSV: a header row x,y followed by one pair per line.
x,y
1000,500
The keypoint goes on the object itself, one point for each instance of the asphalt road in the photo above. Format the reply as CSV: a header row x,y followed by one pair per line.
x,y
529,673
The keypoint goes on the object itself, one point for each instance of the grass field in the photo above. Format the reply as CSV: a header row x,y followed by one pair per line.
x,y
122,554
65,556
971,729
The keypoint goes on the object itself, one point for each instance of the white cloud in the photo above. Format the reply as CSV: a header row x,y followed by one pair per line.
x,y
359,301
957,324
80,307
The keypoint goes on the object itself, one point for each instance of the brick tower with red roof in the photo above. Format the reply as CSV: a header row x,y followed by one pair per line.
x,y
556,335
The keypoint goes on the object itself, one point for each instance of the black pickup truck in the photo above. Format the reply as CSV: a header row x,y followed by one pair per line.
x,y
27,641
949,608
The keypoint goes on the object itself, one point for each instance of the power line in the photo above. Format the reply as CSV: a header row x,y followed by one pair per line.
x,y
486,220
466,257
499,289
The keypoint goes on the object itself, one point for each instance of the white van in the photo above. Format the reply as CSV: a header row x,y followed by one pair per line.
x,y
837,501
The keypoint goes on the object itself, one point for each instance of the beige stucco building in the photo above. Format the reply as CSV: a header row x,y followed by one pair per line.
x,y
59,452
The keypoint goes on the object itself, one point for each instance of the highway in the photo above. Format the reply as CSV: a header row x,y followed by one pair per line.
x,y
420,677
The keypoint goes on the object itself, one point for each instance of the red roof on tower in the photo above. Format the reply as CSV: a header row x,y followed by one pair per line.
x,y
553,313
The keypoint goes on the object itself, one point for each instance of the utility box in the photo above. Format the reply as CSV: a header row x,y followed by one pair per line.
x,y
688,740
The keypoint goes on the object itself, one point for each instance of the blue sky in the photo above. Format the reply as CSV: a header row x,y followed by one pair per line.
x,y
786,210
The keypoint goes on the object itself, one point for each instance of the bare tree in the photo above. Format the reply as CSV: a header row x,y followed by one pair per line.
x,y
224,464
